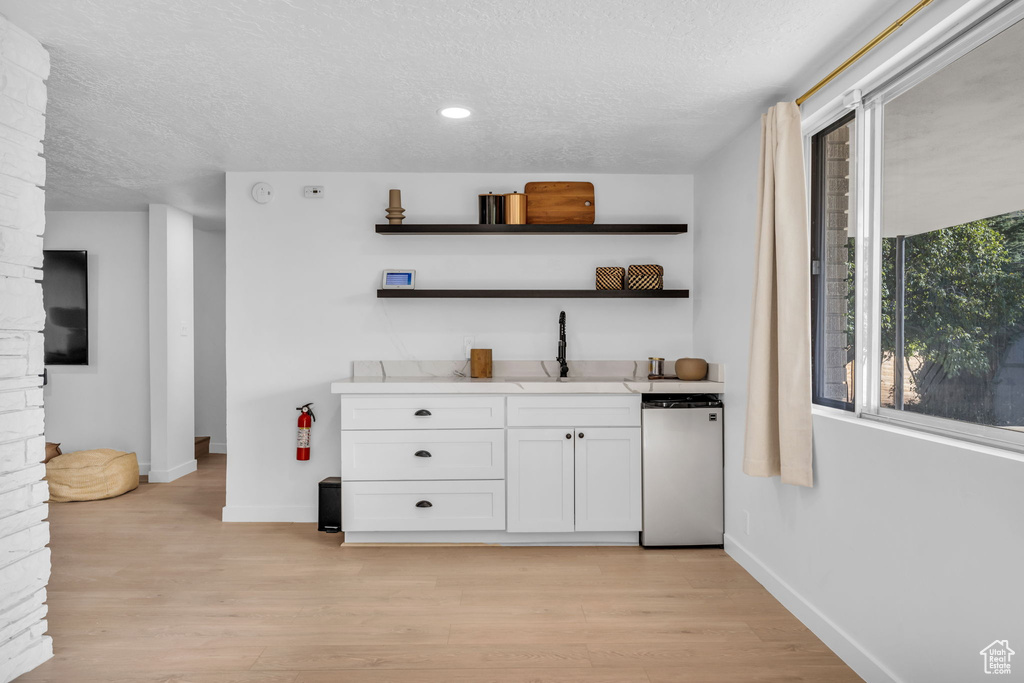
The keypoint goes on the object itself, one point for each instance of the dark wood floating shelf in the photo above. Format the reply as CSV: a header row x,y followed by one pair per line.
x,y
533,293
533,229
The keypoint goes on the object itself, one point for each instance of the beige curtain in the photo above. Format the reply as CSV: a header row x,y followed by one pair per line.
x,y
778,438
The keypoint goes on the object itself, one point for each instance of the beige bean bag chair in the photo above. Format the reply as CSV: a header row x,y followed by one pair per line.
x,y
92,475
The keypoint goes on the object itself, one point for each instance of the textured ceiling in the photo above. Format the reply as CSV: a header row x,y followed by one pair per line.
x,y
152,100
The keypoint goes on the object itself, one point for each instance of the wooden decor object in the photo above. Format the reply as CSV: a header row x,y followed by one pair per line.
x,y
691,368
646,277
611,278
395,213
515,208
558,202
480,363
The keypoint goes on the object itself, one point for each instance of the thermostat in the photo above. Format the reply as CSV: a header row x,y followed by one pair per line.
x,y
399,279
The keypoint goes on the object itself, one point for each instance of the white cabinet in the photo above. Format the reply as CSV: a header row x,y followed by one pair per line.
x,y
427,454
422,463
423,505
608,479
422,412
540,480
577,478
579,411
455,468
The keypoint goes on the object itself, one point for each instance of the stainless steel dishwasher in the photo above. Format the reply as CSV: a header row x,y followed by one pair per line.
x,y
682,470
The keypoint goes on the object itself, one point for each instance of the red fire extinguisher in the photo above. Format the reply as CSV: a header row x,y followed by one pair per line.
x,y
306,420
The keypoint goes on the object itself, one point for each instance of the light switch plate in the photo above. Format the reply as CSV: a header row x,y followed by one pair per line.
x,y
313,191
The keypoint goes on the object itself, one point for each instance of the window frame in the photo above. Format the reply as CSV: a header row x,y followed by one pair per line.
x,y
867,194
818,210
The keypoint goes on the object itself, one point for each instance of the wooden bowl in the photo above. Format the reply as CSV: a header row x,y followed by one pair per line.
x,y
691,368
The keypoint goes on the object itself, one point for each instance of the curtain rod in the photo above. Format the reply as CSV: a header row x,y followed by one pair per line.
x,y
864,50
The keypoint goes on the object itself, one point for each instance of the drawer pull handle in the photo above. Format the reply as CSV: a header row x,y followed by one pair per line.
x,y
422,454
424,504
422,413
581,435
568,436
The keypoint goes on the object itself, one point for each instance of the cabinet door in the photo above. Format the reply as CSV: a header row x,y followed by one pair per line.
x,y
540,479
608,479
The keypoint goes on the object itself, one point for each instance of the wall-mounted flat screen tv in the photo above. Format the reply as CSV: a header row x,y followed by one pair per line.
x,y
66,301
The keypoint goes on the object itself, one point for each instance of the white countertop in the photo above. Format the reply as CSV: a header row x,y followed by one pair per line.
x,y
521,385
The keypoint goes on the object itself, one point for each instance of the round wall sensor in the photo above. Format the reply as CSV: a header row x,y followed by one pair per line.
x,y
262,192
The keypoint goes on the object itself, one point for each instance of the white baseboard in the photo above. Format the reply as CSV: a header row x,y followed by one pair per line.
x,y
270,513
577,538
840,642
144,468
217,447
164,476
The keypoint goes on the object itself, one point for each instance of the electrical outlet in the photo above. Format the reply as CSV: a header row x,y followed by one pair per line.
x,y
467,345
313,191
746,522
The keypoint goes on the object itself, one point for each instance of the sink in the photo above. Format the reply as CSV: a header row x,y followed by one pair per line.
x,y
527,379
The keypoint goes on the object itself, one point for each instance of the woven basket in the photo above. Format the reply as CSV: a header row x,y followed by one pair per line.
x,y
91,475
646,277
611,278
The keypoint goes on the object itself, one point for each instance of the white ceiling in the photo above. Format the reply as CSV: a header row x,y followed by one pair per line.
x,y
954,143
152,100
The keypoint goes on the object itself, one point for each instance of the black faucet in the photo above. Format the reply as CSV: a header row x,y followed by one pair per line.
x,y
563,367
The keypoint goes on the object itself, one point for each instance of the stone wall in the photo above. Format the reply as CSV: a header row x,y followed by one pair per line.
x,y
24,533
837,223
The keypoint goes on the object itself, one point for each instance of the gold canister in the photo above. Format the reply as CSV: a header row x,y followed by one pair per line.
x,y
515,208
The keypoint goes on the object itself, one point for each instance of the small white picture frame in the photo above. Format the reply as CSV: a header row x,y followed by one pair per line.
x,y
398,279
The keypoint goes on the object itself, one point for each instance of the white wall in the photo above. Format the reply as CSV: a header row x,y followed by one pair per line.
x,y
106,403
301,306
905,557
210,377
24,557
171,345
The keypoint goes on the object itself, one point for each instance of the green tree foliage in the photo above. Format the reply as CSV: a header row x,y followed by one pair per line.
x,y
964,288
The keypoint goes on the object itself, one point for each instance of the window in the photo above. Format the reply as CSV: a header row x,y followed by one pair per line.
x,y
928,325
952,234
832,271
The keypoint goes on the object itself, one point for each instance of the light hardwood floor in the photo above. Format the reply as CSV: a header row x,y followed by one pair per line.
x,y
152,587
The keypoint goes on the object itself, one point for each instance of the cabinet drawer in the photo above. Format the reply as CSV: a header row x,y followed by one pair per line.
x,y
422,505
423,454
574,411
422,412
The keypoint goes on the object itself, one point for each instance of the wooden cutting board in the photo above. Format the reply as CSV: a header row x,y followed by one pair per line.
x,y
560,203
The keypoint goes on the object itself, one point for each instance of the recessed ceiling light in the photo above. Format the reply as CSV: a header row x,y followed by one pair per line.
x,y
455,112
